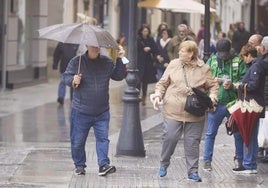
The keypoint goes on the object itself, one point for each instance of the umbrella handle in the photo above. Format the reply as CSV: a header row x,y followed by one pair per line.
x,y
245,91
79,65
78,71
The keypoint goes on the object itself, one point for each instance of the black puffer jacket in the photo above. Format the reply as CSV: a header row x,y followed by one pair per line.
x,y
92,95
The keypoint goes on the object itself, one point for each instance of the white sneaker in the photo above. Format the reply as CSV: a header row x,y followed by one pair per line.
x,y
242,170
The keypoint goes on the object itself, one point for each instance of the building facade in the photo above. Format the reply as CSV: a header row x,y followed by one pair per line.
x,y
22,55
25,59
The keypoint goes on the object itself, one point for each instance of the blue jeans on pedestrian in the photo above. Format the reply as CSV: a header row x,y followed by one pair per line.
x,y
266,153
247,156
159,73
80,126
61,88
214,121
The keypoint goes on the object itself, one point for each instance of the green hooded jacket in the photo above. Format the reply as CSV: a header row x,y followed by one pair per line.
x,y
234,68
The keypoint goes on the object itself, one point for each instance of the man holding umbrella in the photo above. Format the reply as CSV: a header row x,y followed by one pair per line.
x,y
89,75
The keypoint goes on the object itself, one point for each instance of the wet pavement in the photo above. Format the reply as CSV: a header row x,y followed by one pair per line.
x,y
35,148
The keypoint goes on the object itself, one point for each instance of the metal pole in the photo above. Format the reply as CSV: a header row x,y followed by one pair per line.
x,y
130,141
207,31
4,46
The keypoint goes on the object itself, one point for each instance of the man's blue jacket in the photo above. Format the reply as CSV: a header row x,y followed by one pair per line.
x,y
92,95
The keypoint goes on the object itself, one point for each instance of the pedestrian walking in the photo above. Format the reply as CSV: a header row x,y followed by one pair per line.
x,y
147,54
173,46
255,41
227,69
90,104
162,48
263,50
63,53
253,80
158,34
173,89
230,33
240,37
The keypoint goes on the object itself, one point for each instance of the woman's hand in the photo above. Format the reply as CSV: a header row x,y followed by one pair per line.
x,y
219,80
147,49
155,100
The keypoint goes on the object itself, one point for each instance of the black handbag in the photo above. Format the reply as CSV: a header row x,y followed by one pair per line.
x,y
197,102
193,106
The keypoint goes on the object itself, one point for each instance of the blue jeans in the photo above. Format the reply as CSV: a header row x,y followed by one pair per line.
x,y
266,153
214,121
80,126
159,73
61,88
247,158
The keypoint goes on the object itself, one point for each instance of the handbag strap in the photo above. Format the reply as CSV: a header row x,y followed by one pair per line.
x,y
189,89
185,78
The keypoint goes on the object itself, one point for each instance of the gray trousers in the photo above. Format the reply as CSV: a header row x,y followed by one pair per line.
x,y
192,132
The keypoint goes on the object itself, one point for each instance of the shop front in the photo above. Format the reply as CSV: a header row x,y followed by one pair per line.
x,y
23,56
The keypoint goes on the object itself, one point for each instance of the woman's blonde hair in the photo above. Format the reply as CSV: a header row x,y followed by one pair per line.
x,y
190,46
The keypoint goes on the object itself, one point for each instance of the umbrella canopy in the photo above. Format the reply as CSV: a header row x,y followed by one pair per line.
x,y
160,4
246,114
192,7
79,33
188,6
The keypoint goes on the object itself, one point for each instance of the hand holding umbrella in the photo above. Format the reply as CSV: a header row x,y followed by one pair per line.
x,y
76,80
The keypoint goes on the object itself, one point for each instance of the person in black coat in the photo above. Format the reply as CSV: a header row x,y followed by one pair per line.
x,y
162,44
264,63
254,82
240,37
63,53
147,53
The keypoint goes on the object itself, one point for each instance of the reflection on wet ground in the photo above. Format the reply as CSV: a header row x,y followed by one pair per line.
x,y
47,123
50,122
35,143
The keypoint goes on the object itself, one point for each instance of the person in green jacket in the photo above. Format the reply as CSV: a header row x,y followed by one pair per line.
x,y
227,69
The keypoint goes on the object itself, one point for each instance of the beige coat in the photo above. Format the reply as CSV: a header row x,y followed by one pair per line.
x,y
172,87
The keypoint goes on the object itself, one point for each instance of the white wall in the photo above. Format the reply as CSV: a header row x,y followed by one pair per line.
x,y
229,11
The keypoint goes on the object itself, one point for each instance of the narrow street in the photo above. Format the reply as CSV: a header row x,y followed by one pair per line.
x,y
35,148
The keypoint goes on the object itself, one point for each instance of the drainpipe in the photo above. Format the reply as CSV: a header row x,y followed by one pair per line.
x,y
4,45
